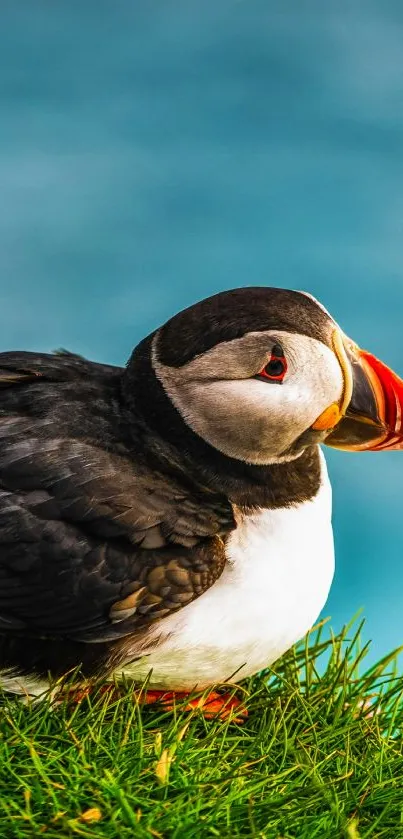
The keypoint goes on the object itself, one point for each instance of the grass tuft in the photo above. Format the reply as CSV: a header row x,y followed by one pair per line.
x,y
320,757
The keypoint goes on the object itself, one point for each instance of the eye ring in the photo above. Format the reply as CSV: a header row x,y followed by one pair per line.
x,y
276,368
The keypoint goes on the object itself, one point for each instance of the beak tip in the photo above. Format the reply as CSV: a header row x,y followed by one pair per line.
x,y
373,418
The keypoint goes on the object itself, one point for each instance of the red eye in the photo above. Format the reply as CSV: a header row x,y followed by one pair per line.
x,y
276,368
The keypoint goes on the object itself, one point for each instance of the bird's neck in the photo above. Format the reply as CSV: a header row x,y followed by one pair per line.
x,y
172,446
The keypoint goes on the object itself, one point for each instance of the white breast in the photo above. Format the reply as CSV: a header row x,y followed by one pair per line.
x,y
279,571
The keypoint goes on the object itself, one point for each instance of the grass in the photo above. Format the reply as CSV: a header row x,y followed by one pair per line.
x,y
320,757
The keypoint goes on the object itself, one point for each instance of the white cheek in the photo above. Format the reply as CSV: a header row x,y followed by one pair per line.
x,y
229,410
250,419
308,389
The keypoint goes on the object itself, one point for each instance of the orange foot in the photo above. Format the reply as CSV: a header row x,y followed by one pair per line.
x,y
220,705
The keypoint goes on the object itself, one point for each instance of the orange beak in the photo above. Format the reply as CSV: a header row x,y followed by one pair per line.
x,y
372,420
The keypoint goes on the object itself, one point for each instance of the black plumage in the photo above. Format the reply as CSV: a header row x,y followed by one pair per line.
x,y
78,500
113,512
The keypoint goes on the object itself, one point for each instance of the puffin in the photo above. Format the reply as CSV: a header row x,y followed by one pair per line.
x,y
169,522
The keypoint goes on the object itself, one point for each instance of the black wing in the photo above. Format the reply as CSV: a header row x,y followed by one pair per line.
x,y
93,546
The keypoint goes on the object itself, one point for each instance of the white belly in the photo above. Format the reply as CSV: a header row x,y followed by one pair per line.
x,y
279,571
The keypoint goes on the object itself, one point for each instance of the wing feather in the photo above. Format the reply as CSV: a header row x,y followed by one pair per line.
x,y
94,544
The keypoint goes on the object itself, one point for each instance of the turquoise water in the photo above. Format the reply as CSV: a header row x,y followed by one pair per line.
x,y
152,153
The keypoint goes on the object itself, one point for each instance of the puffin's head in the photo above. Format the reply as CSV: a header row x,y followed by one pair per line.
x,y
262,373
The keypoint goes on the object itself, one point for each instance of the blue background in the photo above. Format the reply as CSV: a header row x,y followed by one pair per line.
x,y
153,152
